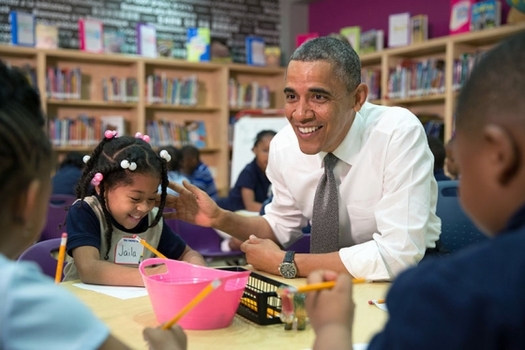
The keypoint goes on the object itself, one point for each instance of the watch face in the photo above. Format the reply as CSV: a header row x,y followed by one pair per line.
x,y
288,270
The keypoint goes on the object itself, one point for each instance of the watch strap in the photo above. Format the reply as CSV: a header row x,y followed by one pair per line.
x,y
289,256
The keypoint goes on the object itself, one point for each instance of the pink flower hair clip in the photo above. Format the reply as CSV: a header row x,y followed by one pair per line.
x,y
139,135
109,134
126,164
97,179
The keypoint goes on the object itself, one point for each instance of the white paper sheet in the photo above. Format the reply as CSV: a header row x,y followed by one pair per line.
x,y
362,346
382,306
115,292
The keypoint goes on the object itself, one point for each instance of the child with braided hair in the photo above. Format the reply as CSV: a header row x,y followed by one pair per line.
x,y
117,194
36,313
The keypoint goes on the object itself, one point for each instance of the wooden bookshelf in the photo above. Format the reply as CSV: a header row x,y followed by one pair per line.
x,y
211,104
447,49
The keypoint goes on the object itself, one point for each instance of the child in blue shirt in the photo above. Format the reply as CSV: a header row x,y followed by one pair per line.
x,y
252,187
117,194
35,313
470,299
197,172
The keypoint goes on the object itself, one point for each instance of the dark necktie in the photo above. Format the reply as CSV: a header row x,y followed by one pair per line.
x,y
325,218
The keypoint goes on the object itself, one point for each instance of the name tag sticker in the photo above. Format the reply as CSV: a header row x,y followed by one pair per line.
x,y
128,251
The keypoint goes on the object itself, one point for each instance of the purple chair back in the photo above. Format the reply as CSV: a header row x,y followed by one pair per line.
x,y
56,216
40,253
205,240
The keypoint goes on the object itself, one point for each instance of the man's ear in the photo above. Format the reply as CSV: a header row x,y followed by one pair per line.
x,y
361,92
503,153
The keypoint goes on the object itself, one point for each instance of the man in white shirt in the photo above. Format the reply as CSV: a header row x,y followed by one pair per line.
x,y
384,175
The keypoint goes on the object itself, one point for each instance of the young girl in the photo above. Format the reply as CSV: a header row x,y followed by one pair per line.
x,y
117,193
252,187
35,313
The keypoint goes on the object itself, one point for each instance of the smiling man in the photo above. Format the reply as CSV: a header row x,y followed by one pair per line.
x,y
386,193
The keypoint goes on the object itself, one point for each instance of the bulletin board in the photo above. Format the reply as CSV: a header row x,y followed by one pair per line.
x,y
244,132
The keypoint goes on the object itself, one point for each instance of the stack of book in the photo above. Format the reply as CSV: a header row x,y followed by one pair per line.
x,y
417,78
82,130
173,91
116,89
462,68
64,84
251,95
172,133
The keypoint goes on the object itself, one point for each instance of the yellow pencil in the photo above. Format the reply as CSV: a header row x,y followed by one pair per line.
x,y
147,245
323,285
60,259
203,294
376,301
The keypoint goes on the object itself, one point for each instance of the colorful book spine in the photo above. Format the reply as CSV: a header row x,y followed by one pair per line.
x,y
22,28
91,35
255,51
460,16
353,35
198,45
146,40
301,38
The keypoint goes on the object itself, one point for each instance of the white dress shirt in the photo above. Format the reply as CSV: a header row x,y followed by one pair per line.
x,y
387,191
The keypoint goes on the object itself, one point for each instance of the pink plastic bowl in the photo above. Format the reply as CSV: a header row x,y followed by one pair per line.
x,y
171,291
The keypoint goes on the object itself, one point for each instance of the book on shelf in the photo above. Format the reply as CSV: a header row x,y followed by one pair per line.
x,y
485,14
90,33
371,41
353,35
301,38
255,50
146,40
64,84
114,40
164,47
418,28
117,123
399,29
198,45
219,51
120,89
82,130
196,130
46,36
460,16
22,28
272,56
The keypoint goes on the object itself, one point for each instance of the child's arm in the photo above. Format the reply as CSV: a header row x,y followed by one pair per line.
x,y
248,198
157,339
192,256
93,270
331,312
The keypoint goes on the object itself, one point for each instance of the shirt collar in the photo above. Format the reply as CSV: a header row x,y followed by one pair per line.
x,y
517,220
349,148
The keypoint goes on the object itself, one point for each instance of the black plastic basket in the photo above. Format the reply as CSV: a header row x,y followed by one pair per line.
x,y
260,302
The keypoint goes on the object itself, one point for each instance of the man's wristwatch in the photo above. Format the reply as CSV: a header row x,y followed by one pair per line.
x,y
287,268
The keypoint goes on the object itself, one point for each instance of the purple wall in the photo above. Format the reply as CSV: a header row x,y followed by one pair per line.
x,y
328,16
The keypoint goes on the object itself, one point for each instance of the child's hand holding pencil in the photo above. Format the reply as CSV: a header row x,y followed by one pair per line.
x,y
331,309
